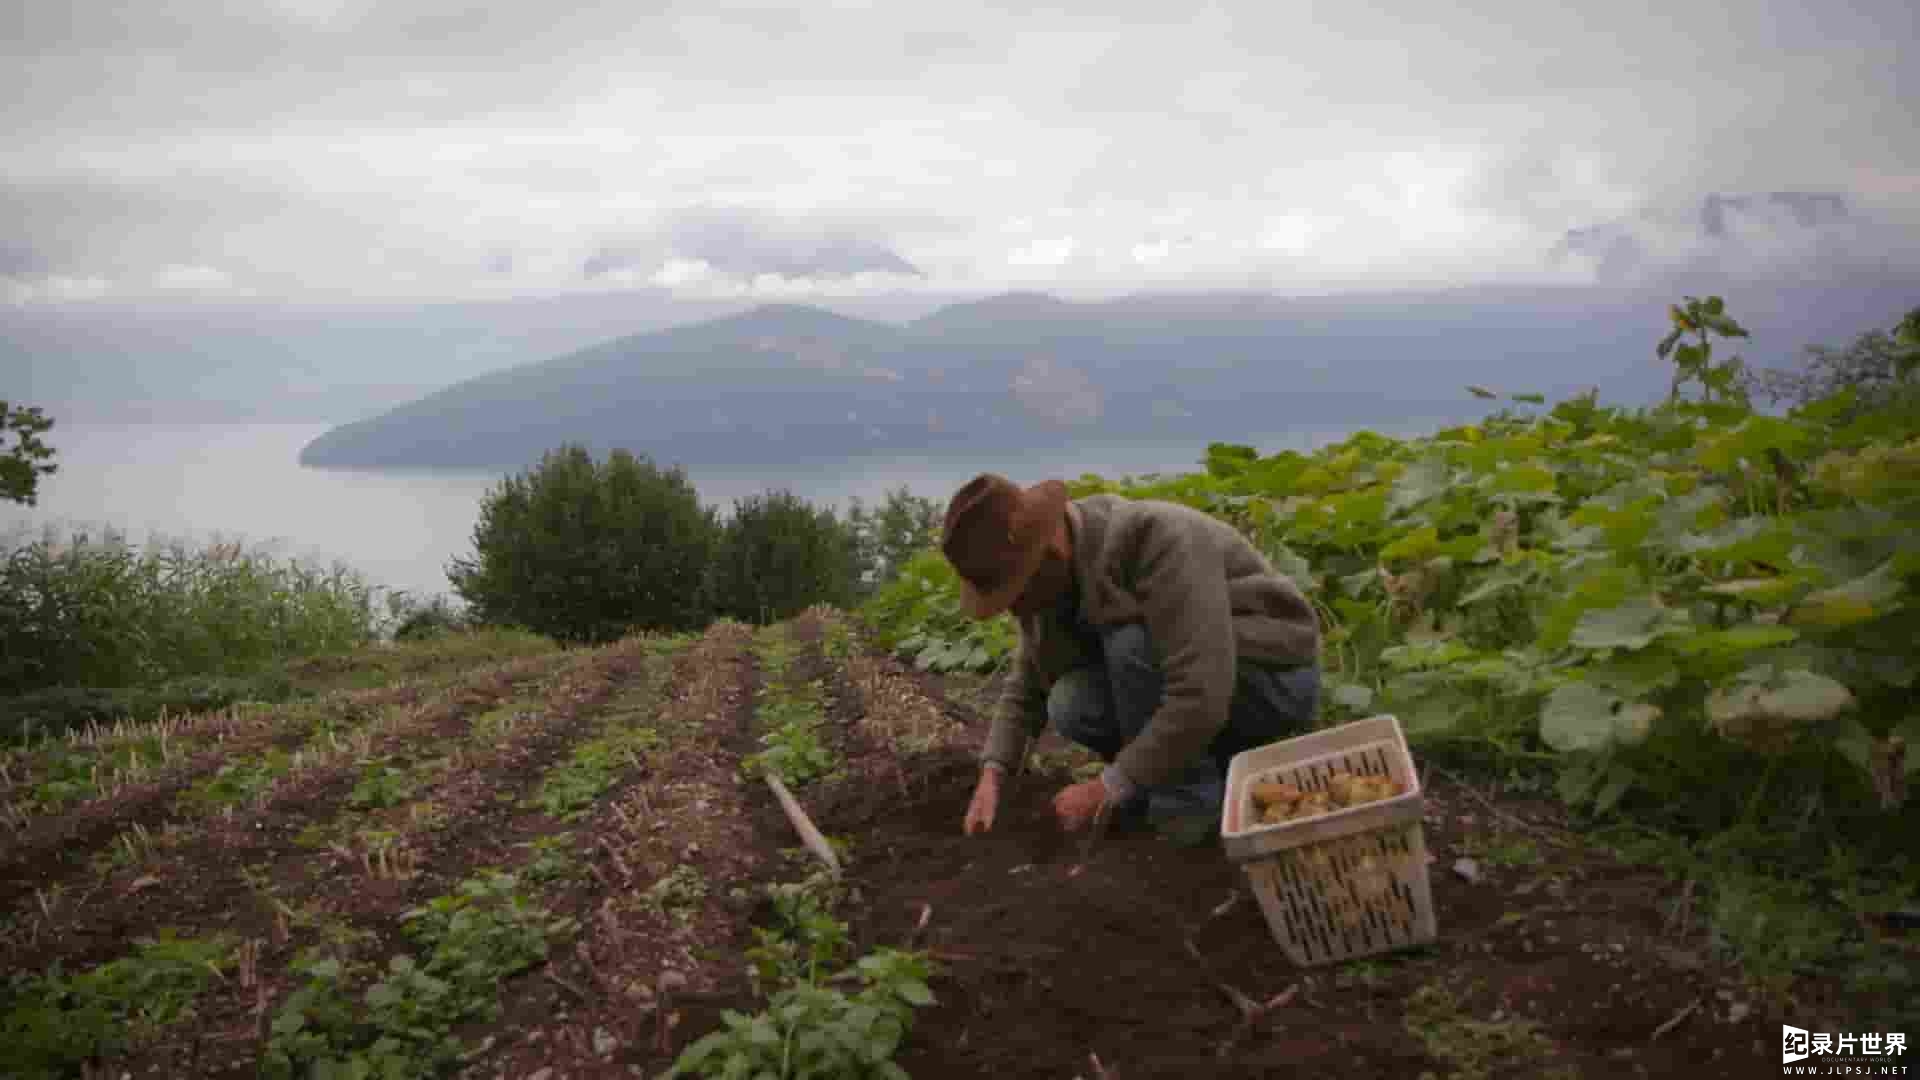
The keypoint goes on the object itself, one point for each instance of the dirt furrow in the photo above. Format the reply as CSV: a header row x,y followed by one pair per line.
x,y
169,883
682,856
54,850
340,899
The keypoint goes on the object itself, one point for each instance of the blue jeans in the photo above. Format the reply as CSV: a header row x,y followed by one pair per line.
x,y
1104,710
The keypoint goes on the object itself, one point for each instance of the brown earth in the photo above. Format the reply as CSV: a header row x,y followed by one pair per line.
x,y
1042,967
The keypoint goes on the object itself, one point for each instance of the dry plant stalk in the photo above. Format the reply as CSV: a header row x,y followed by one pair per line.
x,y
249,962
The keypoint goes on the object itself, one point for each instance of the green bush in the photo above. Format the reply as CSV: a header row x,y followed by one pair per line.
x,y
778,556
426,620
23,464
81,611
886,537
1880,368
585,551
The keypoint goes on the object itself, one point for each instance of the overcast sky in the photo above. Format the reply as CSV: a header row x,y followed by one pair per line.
x,y
296,150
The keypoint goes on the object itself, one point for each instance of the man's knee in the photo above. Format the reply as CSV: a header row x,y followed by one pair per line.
x,y
1078,707
1276,704
1129,649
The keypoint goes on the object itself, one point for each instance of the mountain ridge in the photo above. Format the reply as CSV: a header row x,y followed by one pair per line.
x,y
801,382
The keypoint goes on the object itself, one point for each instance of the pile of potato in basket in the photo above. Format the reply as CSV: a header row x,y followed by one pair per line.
x,y
1278,802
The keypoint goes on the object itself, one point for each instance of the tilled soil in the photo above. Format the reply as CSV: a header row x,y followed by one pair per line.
x,y
1044,967
1556,960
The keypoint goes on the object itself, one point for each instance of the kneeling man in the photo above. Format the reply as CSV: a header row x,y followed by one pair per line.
x,y
1151,633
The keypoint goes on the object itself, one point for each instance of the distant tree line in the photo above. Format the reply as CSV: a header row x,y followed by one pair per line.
x,y
1879,367
585,550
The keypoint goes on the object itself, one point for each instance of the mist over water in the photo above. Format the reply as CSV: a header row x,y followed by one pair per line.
x,y
400,529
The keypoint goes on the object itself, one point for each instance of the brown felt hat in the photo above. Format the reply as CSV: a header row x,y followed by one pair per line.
x,y
996,536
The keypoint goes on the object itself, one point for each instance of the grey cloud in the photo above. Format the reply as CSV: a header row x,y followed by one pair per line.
x,y
96,222
745,244
1741,236
343,140
127,67
21,262
607,261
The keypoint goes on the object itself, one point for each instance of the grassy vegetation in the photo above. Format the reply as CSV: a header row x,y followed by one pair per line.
x,y
99,632
94,610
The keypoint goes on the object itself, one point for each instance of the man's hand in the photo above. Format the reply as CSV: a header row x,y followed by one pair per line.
x,y
986,800
1076,804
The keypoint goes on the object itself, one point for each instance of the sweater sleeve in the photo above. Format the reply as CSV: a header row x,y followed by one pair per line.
x,y
1020,713
1183,595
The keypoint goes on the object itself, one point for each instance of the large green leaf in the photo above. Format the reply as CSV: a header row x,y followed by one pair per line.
x,y
1860,600
1528,478
1632,625
1766,692
1635,675
1351,696
1753,539
1771,590
1417,546
1752,439
1511,576
1805,695
1579,716
1601,585
1714,655
1423,480
1288,562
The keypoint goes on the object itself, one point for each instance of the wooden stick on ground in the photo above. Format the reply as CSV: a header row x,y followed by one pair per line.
x,y
802,824
1675,1021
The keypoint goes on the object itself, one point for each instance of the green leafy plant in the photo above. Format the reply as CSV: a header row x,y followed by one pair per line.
x,y
793,750
678,893
475,936
552,859
918,616
1693,361
382,784
810,1029
53,1022
237,782
568,790
805,941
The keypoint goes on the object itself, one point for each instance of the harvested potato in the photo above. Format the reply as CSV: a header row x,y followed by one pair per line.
x,y
1270,794
1341,786
1279,803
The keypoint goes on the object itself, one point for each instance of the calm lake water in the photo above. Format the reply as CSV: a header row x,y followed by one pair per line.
x,y
400,529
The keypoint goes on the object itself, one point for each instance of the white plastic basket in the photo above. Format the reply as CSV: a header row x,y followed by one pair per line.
x,y
1348,883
